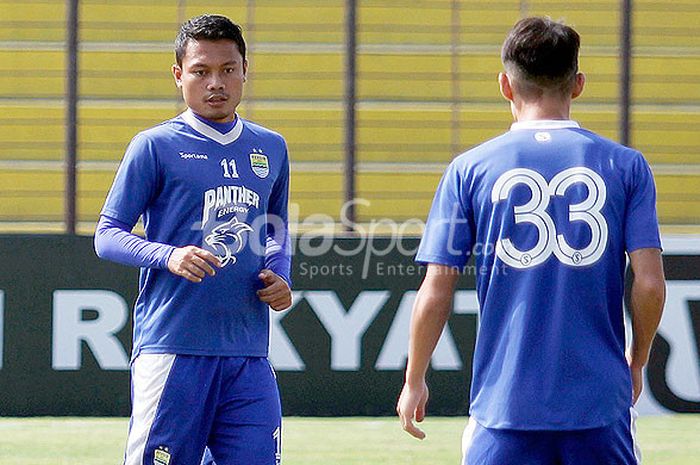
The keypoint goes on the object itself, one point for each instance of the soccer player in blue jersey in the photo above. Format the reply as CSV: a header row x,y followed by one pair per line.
x,y
212,189
559,207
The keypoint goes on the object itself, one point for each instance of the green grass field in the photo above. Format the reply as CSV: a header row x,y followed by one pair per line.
x,y
667,440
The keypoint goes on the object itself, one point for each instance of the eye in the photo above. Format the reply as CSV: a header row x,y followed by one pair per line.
x,y
229,70
198,72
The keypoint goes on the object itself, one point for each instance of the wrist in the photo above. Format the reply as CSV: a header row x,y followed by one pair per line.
x,y
414,379
165,260
636,361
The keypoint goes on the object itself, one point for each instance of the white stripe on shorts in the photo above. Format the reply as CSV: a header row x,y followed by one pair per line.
x,y
467,438
148,376
633,431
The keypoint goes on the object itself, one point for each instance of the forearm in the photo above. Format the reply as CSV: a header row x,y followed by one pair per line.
x,y
431,311
115,242
278,258
647,301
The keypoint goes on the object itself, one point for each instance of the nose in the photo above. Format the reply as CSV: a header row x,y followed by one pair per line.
x,y
216,82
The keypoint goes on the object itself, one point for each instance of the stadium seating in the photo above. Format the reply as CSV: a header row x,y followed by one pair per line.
x,y
412,118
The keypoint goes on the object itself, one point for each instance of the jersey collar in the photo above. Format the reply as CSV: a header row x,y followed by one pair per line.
x,y
211,133
545,124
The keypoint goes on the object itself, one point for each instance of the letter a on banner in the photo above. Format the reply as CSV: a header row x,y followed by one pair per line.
x,y
395,349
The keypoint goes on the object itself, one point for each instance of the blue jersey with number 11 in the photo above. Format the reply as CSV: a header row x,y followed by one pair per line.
x,y
549,210
226,193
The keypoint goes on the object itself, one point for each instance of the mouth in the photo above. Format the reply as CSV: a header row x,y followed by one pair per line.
x,y
217,99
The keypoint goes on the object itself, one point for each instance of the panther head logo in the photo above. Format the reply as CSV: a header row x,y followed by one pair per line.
x,y
224,236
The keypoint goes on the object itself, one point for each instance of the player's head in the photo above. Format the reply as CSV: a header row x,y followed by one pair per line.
x,y
211,66
208,27
540,57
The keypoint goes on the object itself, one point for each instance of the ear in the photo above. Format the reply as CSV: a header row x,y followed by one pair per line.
x,y
578,85
245,70
506,88
177,74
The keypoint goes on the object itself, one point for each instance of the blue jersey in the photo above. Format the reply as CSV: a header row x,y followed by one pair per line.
x,y
549,210
226,193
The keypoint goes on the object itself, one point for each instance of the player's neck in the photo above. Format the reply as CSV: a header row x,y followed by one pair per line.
x,y
221,126
542,110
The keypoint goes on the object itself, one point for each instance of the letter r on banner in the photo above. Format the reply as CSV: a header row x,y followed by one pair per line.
x,y
70,330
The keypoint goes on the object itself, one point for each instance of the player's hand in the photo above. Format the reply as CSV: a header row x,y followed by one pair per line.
x,y
637,378
411,406
193,263
276,292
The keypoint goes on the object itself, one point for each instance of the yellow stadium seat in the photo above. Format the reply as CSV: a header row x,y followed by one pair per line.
x,y
411,118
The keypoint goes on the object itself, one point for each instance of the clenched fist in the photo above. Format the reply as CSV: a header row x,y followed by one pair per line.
x,y
193,263
276,292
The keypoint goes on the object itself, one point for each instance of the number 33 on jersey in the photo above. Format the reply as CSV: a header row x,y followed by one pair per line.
x,y
535,212
546,212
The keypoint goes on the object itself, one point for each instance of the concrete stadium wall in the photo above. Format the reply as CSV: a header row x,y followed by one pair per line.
x,y
65,330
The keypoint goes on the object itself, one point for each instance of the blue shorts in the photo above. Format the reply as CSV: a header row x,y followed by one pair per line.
x,y
613,444
183,403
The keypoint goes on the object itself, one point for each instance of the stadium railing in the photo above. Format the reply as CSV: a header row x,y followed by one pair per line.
x,y
426,91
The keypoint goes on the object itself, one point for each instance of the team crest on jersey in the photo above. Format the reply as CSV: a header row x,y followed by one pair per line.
x,y
161,456
259,164
227,240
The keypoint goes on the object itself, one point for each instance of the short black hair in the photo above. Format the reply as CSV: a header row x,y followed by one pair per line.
x,y
542,53
208,27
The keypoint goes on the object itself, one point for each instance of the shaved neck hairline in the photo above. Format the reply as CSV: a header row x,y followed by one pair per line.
x,y
529,89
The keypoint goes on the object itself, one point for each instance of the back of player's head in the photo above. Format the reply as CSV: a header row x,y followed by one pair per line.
x,y
541,55
208,27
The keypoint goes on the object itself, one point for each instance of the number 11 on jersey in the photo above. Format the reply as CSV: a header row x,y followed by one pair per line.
x,y
229,167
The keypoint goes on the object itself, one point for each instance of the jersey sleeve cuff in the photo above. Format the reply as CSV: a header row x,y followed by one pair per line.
x,y
165,257
644,245
115,215
455,262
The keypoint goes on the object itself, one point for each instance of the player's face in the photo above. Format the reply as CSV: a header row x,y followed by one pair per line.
x,y
211,78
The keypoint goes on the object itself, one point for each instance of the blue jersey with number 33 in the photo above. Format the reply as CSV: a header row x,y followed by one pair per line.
x,y
549,210
226,193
